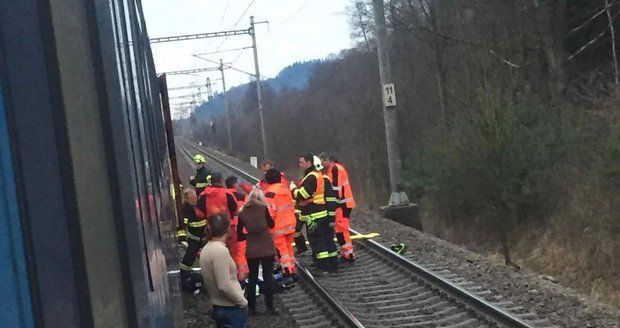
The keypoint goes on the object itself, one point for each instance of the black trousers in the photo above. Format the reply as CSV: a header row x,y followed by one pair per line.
x,y
267,288
193,245
300,240
323,246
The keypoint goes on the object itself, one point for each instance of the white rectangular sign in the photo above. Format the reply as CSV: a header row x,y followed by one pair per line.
x,y
389,95
254,161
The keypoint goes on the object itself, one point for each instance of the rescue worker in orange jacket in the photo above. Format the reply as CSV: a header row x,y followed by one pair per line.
x,y
310,197
340,180
264,167
237,247
216,199
282,209
195,231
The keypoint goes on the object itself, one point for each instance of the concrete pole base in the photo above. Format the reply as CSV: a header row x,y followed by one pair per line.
x,y
403,214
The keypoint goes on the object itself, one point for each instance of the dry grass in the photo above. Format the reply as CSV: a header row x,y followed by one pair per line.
x,y
579,244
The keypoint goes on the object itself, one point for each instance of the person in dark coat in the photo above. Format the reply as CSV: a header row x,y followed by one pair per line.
x,y
260,250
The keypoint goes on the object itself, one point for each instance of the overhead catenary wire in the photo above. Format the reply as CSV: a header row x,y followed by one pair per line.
x,y
296,12
223,13
223,51
219,24
239,56
236,23
226,67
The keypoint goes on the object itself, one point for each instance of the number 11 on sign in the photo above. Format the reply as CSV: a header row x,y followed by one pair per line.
x,y
389,95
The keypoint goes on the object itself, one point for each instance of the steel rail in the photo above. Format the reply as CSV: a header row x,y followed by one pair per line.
x,y
492,312
347,316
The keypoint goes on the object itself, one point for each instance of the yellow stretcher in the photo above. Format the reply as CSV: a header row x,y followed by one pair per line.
x,y
365,236
354,237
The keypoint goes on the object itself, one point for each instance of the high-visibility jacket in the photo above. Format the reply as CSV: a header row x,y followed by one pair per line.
x,y
246,187
281,208
195,225
201,180
216,200
340,180
263,185
331,197
239,200
310,196
239,197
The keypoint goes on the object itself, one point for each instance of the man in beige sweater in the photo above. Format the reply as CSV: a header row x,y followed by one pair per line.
x,y
220,277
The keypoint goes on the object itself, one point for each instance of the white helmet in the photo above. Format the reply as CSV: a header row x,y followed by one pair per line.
x,y
316,161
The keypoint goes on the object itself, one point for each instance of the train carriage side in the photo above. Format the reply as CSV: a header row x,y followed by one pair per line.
x,y
92,231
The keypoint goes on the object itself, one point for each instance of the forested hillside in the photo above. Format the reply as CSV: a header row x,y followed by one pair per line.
x,y
509,127
294,76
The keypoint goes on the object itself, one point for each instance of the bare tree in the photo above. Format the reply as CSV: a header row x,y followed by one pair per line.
x,y
613,40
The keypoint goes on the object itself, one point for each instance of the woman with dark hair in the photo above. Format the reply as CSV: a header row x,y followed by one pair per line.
x,y
260,250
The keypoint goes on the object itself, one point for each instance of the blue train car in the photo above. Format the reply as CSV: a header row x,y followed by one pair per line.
x,y
86,208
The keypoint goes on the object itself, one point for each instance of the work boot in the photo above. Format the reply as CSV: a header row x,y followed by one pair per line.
x,y
272,311
295,277
318,272
287,280
299,251
252,309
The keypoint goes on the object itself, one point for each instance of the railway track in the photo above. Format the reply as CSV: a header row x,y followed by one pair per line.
x,y
308,303
385,289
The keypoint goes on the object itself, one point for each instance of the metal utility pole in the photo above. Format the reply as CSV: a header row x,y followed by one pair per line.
x,y
258,90
398,196
209,90
252,32
226,106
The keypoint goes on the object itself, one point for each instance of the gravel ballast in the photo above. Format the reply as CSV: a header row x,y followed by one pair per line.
x,y
560,305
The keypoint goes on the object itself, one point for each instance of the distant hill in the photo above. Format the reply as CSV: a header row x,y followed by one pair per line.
x,y
295,76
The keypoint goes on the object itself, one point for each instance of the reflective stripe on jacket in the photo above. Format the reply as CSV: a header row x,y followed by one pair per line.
x,y
281,208
340,179
310,196
331,197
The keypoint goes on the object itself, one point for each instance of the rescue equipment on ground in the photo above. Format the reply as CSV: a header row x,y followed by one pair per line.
x,y
191,282
399,248
365,236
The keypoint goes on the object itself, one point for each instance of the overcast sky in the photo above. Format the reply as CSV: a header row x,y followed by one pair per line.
x,y
298,30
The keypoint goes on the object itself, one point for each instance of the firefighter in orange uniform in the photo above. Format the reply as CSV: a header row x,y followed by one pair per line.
x,y
237,247
282,209
340,181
